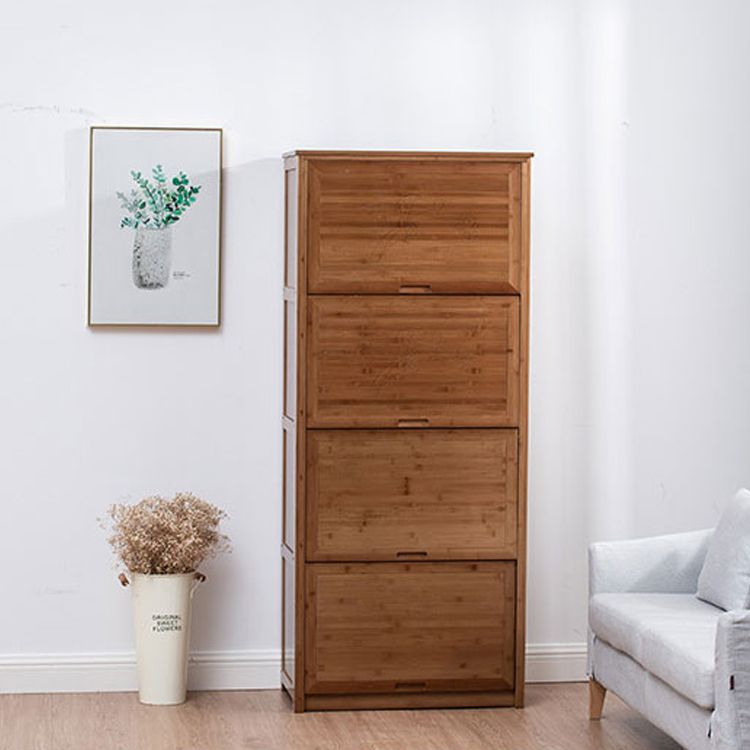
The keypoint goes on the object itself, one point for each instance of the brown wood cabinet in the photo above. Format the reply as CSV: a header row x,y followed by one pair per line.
x,y
405,399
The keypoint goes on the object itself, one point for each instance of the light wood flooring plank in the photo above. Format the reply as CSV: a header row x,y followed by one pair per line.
x,y
556,718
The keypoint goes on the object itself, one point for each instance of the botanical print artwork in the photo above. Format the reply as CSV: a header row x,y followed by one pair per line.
x,y
152,207
154,226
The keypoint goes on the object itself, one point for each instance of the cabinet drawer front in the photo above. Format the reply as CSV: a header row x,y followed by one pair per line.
x,y
393,627
378,226
411,494
413,361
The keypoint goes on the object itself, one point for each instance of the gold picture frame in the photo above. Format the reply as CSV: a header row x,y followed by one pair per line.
x,y
186,185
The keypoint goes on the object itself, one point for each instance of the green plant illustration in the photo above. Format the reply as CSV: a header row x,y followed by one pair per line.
x,y
157,203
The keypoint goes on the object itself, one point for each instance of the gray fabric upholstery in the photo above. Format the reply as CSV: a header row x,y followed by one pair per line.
x,y
674,714
670,635
725,578
668,564
732,718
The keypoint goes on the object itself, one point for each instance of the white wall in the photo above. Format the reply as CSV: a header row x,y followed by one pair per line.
x,y
640,410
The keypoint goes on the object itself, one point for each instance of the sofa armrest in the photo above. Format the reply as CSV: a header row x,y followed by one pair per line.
x,y
730,725
661,564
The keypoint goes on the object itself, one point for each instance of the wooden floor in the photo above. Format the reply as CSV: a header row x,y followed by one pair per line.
x,y
554,719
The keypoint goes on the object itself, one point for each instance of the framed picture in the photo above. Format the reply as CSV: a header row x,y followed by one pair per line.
x,y
154,226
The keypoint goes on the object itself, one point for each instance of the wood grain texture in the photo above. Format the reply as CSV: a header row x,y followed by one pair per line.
x,y
298,692
445,362
524,200
403,700
410,628
384,226
597,694
410,299
411,494
291,665
294,418
555,719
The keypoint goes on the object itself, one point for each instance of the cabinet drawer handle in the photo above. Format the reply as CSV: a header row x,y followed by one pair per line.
x,y
415,289
416,553
411,685
413,422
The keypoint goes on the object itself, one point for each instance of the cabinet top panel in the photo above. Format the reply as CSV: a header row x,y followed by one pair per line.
x,y
515,156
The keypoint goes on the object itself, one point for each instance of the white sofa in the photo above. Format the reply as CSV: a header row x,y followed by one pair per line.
x,y
682,663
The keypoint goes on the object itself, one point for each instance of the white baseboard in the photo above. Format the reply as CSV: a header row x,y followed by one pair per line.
x,y
221,670
112,673
556,662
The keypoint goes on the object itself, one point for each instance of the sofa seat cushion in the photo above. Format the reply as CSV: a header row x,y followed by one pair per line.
x,y
671,635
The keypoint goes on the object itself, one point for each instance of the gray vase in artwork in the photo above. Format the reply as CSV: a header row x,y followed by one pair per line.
x,y
152,257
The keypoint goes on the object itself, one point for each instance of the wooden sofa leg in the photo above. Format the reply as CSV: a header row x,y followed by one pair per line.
x,y
597,694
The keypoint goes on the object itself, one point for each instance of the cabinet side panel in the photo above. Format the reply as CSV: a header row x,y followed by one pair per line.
x,y
292,676
525,206
300,206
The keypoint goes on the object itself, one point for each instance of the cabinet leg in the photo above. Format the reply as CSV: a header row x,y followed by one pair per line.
x,y
597,694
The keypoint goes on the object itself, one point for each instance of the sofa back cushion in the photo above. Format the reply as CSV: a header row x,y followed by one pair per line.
x,y
725,578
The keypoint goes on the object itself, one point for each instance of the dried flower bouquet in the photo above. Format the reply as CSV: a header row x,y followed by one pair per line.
x,y
158,536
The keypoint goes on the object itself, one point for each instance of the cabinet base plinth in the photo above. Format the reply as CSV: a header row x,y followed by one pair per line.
x,y
372,701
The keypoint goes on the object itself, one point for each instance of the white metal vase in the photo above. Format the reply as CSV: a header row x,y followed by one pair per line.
x,y
152,257
161,615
